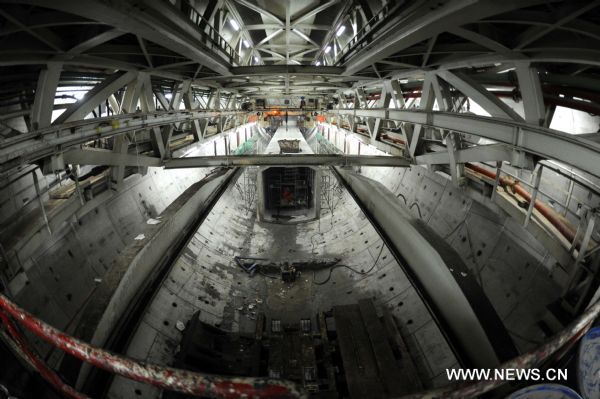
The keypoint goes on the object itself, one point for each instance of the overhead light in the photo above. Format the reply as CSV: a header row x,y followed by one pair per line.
x,y
340,31
246,44
327,49
318,63
255,58
234,24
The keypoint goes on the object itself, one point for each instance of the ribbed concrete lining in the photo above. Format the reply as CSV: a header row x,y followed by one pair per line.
x,y
59,273
517,273
432,272
206,279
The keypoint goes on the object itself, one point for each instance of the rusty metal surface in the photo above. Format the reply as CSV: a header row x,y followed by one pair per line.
x,y
183,381
552,216
35,361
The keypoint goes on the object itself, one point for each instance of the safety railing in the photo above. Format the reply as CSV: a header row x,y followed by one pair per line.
x,y
42,143
578,236
554,349
183,381
366,32
573,229
214,386
214,39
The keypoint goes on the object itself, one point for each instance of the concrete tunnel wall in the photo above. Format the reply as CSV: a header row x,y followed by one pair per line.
x,y
515,272
518,274
514,268
205,278
58,273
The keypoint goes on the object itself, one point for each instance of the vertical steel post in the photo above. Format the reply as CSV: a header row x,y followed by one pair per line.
x,y
569,195
41,200
497,180
591,222
77,187
534,193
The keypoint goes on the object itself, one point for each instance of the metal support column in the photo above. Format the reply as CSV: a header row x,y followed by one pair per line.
x,y
534,193
36,184
496,181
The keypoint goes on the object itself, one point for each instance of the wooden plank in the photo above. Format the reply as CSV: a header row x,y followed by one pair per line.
x,y
357,356
389,372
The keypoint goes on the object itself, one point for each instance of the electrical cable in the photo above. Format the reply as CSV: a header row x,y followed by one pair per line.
x,y
418,209
266,275
403,197
319,232
362,273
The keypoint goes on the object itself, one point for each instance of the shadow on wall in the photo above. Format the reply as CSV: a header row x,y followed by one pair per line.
x,y
514,270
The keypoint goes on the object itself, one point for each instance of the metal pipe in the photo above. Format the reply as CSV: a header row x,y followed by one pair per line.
x,y
561,340
553,217
48,374
187,382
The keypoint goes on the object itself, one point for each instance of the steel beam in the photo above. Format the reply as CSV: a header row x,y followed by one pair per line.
x,y
480,39
43,103
536,32
268,38
159,22
147,105
453,144
478,153
24,149
260,11
307,38
94,97
548,143
120,146
313,12
145,51
474,90
95,41
96,156
44,35
286,160
531,93
270,70
425,23
426,104
132,95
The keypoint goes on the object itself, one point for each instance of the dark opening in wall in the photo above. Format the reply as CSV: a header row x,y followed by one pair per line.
x,y
289,188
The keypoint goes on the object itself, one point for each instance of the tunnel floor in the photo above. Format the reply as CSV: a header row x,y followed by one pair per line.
x,y
207,283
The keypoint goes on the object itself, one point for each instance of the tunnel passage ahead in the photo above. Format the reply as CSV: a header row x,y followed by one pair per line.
x,y
207,283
